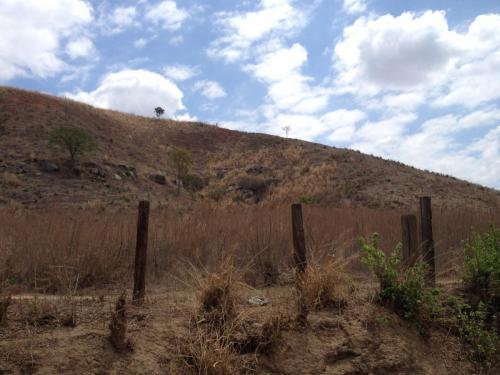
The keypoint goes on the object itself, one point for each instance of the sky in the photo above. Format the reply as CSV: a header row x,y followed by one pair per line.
x,y
416,81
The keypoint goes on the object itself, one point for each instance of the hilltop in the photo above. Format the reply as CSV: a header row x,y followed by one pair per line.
x,y
131,162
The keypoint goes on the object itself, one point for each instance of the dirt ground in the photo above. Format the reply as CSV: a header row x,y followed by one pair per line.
x,y
70,335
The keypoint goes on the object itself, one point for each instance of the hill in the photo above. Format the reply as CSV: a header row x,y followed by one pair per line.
x,y
132,162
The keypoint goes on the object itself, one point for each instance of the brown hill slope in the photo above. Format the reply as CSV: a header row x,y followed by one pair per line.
x,y
237,166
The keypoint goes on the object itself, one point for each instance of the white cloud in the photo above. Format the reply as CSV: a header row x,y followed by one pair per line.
x,y
80,48
140,43
354,6
280,64
343,123
167,15
122,18
273,19
134,91
180,72
33,32
395,52
209,89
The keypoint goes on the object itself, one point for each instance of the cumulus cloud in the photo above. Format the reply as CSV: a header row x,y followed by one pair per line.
x,y
271,20
34,32
134,91
180,72
167,15
395,52
209,89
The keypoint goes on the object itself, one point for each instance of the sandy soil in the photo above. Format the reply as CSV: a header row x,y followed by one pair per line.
x,y
364,338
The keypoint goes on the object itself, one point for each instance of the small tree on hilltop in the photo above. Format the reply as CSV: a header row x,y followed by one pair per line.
x,y
181,160
74,140
159,112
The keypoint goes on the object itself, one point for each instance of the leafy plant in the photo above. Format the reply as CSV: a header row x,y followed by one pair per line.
x,y
403,289
74,140
482,264
480,331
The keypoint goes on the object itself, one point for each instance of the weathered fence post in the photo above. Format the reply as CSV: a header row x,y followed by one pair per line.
x,y
299,260
427,240
141,252
409,239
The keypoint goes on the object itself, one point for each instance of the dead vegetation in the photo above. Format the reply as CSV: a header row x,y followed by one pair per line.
x,y
59,251
118,326
327,285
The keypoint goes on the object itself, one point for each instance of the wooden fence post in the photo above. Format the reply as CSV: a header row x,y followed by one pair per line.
x,y
409,239
300,261
141,250
427,240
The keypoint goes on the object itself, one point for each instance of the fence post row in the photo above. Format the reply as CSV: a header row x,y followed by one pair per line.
x,y
427,240
409,239
141,252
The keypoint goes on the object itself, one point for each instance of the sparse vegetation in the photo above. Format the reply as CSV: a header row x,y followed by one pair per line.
x,y
75,141
181,160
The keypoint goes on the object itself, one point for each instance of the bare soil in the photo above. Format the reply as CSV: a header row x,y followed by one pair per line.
x,y
363,338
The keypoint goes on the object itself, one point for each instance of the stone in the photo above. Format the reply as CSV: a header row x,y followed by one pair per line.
x,y
158,178
48,166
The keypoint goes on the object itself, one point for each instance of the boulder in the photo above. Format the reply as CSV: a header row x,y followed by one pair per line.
x,y
49,167
158,178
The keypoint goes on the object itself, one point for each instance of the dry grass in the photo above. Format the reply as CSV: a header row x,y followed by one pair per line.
x,y
58,250
118,326
204,353
327,286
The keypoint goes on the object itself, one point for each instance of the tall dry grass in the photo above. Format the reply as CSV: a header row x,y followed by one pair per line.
x,y
55,249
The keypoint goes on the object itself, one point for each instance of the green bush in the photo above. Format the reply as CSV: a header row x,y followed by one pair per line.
x,y
403,289
193,182
479,330
75,141
482,265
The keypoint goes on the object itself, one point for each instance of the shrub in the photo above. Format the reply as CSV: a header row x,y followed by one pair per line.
x,y
193,182
482,265
181,160
402,289
217,299
74,140
479,330
326,286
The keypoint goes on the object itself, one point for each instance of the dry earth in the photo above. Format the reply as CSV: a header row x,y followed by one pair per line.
x,y
364,338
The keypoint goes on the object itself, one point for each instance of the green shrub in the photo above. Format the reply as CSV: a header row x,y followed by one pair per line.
x,y
76,141
482,265
479,329
193,182
402,289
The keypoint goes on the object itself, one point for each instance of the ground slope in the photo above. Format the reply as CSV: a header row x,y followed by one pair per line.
x,y
237,166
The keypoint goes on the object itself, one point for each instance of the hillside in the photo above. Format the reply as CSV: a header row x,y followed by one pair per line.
x,y
237,166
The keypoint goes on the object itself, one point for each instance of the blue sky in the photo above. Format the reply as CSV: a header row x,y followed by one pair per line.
x,y
414,81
